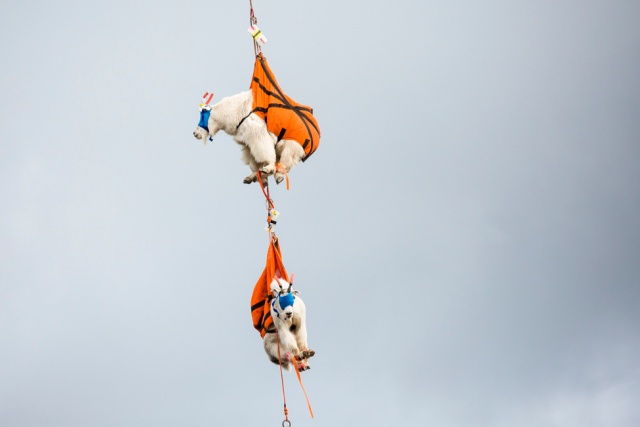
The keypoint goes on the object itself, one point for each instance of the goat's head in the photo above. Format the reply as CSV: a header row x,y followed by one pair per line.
x,y
284,297
202,130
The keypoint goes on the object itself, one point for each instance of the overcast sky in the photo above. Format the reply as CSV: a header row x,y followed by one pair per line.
x,y
466,238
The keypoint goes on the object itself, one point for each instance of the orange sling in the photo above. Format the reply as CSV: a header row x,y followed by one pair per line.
x,y
284,117
260,309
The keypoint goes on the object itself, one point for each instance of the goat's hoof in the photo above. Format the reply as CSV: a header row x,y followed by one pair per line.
x,y
268,169
278,177
305,354
250,178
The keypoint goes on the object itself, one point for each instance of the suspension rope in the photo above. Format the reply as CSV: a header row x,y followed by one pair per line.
x,y
284,395
257,50
271,213
296,367
265,191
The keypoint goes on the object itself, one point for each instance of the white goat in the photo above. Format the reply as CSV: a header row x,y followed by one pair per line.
x,y
261,149
289,318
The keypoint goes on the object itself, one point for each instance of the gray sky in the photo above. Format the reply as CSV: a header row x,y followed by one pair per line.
x,y
466,237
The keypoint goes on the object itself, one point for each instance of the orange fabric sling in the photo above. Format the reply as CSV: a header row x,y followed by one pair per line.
x,y
260,309
284,117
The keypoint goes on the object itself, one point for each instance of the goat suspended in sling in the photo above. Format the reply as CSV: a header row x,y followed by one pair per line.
x,y
274,131
279,314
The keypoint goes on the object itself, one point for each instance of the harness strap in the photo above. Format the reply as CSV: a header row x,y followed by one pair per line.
x,y
295,365
280,168
243,119
273,306
281,134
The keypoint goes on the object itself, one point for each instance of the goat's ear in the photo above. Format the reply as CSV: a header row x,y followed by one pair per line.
x,y
296,292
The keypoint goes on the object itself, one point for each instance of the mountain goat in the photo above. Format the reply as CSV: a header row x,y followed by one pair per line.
x,y
289,318
261,149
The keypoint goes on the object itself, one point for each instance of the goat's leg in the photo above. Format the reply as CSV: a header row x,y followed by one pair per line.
x,y
271,348
287,340
301,340
261,144
305,352
301,336
289,153
248,159
300,322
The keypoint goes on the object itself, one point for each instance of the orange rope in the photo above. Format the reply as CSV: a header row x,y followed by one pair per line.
x,y
295,365
282,169
265,191
284,396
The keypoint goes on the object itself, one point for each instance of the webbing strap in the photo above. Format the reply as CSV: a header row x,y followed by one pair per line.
x,y
281,134
295,365
280,168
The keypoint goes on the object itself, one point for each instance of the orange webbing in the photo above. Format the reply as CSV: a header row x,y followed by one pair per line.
x,y
280,168
295,365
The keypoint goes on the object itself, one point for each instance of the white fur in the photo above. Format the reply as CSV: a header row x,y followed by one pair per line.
x,y
259,148
291,330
